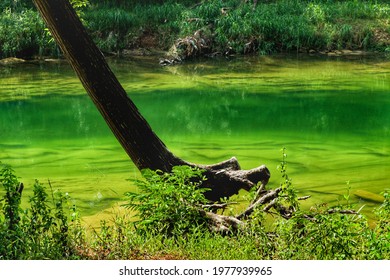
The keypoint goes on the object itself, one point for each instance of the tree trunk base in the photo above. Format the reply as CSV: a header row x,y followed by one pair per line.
x,y
226,178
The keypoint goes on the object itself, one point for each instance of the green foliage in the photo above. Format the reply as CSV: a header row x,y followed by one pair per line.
x,y
288,25
322,233
121,27
22,34
38,232
323,236
10,230
167,202
316,234
11,201
379,238
79,4
288,194
15,4
235,26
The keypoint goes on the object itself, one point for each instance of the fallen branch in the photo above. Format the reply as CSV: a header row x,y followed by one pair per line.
x,y
221,223
351,212
259,192
264,199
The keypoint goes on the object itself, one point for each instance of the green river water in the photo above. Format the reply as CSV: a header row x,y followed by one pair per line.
x,y
331,114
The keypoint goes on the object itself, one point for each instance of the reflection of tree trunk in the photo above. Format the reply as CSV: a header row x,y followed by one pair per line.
x,y
133,132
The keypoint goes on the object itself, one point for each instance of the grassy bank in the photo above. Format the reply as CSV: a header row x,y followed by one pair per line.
x,y
169,228
231,26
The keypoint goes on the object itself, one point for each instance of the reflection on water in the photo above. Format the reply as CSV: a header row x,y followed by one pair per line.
x,y
332,115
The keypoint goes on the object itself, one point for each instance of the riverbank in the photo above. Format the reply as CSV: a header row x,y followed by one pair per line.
x,y
210,27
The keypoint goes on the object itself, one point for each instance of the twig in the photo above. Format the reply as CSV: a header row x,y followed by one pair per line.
x,y
333,211
258,192
264,199
216,205
51,190
270,205
310,218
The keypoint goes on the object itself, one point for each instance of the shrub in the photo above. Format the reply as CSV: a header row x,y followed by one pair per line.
x,y
379,238
324,236
39,232
167,202
23,34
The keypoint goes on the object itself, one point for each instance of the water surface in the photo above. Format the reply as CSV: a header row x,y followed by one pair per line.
x,y
332,115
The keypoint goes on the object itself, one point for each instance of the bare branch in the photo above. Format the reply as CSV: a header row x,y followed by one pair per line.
x,y
221,223
333,211
264,199
216,206
259,191
270,205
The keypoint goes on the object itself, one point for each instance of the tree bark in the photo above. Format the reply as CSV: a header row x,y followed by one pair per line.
x,y
130,128
133,132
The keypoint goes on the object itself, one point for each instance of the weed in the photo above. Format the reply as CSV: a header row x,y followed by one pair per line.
x,y
11,213
379,238
39,232
288,194
167,202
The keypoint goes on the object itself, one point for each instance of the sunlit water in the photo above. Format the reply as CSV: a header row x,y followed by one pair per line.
x,y
331,114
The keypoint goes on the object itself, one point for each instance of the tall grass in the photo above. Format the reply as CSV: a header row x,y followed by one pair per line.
x,y
116,28
235,26
290,25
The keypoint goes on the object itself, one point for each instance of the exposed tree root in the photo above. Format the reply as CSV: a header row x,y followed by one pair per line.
x,y
226,178
188,47
268,201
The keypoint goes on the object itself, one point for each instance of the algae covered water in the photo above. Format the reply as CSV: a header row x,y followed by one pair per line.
x,y
331,114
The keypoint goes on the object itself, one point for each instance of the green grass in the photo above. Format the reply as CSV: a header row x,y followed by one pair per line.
x,y
117,28
272,26
291,25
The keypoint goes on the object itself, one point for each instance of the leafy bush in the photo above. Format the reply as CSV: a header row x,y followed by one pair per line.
x,y
23,34
323,236
379,238
39,232
167,202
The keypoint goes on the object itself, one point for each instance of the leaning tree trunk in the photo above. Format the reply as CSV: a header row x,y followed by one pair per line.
x,y
133,132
